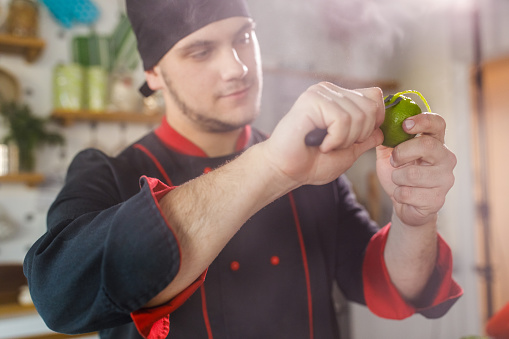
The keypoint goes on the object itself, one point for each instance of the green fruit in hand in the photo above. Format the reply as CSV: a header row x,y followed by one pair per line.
x,y
394,116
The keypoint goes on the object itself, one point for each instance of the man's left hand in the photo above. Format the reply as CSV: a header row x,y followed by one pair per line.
x,y
418,173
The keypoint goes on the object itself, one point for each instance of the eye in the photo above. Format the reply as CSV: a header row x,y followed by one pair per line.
x,y
200,54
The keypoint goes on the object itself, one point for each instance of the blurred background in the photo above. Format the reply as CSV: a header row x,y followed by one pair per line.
x,y
70,70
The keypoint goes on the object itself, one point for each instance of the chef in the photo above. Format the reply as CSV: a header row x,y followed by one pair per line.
x,y
207,228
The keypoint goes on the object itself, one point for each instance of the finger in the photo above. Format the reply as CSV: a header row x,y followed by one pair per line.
x,y
428,200
414,216
423,148
375,94
350,116
430,124
336,121
375,139
361,108
423,176
373,103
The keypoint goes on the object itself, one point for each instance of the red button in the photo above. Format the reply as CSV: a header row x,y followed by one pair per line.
x,y
234,265
274,260
207,170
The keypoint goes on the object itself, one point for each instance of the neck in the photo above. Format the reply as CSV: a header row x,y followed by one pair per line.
x,y
213,144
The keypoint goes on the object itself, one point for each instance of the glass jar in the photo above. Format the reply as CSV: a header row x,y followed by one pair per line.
x,y
23,18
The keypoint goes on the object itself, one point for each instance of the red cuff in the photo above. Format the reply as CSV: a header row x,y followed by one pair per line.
x,y
158,188
154,323
382,297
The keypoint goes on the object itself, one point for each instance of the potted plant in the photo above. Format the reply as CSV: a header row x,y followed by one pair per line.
x,y
27,132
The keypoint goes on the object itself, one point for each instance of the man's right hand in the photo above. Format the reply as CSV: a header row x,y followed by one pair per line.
x,y
352,119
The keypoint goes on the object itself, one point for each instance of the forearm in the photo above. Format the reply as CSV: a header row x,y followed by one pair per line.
x,y
410,255
206,212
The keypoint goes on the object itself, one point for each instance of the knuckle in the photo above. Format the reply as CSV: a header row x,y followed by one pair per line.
x,y
433,122
402,194
325,83
395,177
312,90
310,94
414,174
396,153
361,115
453,159
371,92
428,143
426,121
377,90
358,117
345,118
439,199
442,125
371,104
450,182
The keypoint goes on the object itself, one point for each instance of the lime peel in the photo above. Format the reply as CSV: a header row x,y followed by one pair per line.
x,y
414,92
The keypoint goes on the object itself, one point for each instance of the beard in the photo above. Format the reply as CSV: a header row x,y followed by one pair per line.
x,y
206,123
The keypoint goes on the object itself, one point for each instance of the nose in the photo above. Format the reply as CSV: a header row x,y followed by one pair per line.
x,y
232,66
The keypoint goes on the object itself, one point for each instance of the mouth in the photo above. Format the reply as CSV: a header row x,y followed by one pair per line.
x,y
237,93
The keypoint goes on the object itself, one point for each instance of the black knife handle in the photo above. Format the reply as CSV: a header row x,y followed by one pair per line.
x,y
315,137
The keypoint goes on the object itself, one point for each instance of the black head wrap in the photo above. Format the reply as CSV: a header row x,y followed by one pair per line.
x,y
160,24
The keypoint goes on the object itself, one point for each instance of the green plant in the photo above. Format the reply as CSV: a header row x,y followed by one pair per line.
x,y
27,132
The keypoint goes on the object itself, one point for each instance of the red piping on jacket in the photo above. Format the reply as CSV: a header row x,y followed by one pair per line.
x,y
304,263
156,162
205,313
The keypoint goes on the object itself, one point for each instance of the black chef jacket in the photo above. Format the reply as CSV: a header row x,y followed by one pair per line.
x,y
109,250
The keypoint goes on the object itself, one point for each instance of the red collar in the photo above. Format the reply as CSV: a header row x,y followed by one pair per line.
x,y
175,141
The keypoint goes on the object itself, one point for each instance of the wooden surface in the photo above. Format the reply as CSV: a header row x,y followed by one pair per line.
x,y
67,117
11,281
30,48
30,179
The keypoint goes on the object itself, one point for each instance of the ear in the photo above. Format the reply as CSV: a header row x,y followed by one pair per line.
x,y
154,78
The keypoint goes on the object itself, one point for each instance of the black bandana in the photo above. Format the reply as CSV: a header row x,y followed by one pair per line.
x,y
160,24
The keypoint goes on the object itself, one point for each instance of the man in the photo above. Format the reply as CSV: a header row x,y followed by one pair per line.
x,y
270,227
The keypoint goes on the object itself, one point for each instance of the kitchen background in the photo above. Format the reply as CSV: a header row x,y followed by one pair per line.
x,y
431,46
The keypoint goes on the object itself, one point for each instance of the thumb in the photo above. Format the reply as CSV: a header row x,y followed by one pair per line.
x,y
376,138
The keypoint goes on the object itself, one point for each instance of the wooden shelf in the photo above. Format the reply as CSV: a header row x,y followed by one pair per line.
x,y
30,179
59,336
67,117
30,48
16,309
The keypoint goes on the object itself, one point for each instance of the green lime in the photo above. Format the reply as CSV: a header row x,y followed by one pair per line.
x,y
395,115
